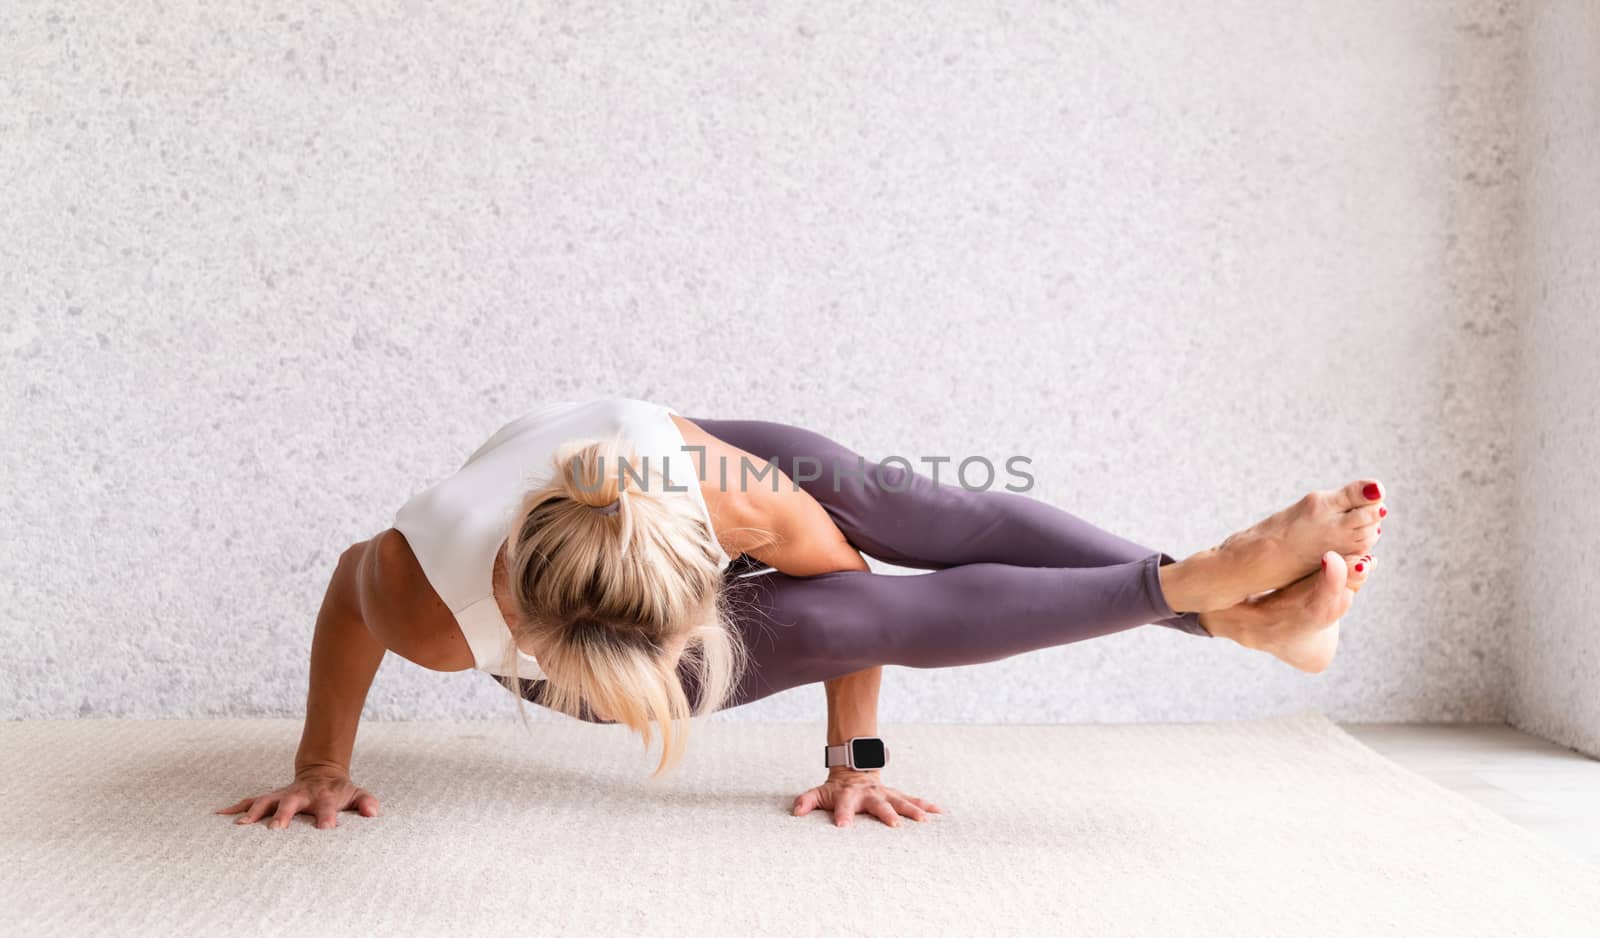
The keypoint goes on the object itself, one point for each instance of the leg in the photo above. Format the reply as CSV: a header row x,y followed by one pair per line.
x,y
912,520
801,630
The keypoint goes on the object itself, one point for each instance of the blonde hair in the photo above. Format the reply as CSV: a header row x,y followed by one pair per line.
x,y
604,594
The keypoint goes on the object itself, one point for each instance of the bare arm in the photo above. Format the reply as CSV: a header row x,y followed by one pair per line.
x,y
344,658
792,532
780,524
806,542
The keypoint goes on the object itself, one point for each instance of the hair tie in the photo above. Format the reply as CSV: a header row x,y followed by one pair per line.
x,y
610,509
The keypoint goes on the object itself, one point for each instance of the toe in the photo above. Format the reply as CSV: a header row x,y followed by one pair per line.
x,y
1360,493
1332,598
1335,571
1361,517
1360,568
1360,540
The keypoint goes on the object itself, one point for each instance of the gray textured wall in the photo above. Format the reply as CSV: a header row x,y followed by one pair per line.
x,y
263,275
1556,652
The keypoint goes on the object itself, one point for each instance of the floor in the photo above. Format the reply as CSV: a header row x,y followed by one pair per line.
x,y
1546,788
1110,830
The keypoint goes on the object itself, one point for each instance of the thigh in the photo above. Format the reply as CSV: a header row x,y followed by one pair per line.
x,y
805,630
791,629
911,519
883,509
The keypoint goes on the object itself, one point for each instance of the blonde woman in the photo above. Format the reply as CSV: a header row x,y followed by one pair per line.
x,y
585,556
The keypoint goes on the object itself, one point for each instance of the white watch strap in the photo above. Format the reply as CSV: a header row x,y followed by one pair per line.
x,y
836,755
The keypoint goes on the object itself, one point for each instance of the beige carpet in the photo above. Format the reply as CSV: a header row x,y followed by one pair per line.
x,y
1280,827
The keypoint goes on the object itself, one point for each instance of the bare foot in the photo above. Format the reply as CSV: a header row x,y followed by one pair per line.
x,y
1359,565
1278,550
1299,624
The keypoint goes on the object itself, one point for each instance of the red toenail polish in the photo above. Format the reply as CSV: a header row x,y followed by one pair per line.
x,y
1371,491
1324,563
1380,529
1383,512
1360,567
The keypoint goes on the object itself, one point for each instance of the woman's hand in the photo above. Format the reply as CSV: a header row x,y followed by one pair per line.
x,y
848,792
322,793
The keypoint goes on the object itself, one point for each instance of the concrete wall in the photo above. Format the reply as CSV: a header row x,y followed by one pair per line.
x,y
263,275
1555,655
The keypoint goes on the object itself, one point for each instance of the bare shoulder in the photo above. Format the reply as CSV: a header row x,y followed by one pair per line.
x,y
401,608
764,514
742,517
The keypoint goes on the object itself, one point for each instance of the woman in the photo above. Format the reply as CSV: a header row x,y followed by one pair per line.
x,y
584,554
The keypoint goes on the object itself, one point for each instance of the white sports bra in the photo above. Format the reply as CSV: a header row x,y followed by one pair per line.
x,y
455,528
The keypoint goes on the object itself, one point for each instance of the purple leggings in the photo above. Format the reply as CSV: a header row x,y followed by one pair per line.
x,y
1011,573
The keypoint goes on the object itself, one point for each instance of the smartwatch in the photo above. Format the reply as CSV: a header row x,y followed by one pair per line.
x,y
861,752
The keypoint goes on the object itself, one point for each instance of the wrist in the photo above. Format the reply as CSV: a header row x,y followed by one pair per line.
x,y
840,772
304,769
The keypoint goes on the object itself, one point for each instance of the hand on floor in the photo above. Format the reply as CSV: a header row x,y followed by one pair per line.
x,y
322,794
848,792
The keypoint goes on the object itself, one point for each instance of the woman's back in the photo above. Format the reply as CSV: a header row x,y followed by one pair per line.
x,y
456,527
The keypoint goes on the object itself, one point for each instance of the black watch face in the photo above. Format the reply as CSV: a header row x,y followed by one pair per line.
x,y
868,753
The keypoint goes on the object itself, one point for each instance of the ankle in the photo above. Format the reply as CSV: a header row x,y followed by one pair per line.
x,y
1236,623
1189,586
1176,588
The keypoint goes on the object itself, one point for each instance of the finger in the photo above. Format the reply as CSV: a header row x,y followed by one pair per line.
x,y
327,814
806,801
884,811
925,804
844,813
240,805
262,806
287,809
904,805
366,804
